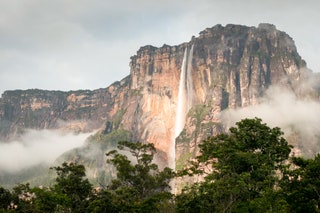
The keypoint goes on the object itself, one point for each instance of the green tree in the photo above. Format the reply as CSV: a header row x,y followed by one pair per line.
x,y
47,200
23,198
243,171
71,193
72,183
302,185
5,199
139,186
103,202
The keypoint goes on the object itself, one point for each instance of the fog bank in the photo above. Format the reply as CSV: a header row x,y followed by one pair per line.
x,y
35,147
298,118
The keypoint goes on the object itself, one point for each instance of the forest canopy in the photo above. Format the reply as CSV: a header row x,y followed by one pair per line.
x,y
248,169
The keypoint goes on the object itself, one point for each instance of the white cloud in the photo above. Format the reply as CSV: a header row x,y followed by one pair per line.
x,y
281,108
37,147
84,44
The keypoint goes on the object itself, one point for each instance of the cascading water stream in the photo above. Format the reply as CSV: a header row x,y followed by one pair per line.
x,y
182,97
184,103
189,82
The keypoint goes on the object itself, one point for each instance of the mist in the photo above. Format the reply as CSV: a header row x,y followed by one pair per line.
x,y
37,147
298,118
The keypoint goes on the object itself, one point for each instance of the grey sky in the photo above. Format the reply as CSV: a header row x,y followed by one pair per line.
x,y
87,44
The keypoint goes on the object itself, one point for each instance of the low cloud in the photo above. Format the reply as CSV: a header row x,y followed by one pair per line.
x,y
299,119
37,147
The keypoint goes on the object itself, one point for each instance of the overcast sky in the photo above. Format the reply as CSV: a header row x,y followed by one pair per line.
x,y
87,44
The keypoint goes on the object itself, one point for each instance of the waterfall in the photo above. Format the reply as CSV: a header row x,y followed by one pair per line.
x,y
184,104
189,82
182,97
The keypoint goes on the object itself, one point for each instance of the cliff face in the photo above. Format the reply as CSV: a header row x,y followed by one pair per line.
x,y
78,111
225,67
230,67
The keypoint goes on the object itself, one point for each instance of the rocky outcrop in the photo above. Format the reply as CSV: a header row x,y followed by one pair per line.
x,y
78,111
231,66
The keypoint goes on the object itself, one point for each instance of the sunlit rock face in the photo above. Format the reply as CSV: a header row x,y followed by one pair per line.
x,y
229,66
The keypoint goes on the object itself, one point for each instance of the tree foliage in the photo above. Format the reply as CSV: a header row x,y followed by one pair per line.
x,y
72,183
139,185
70,193
245,170
302,185
5,199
